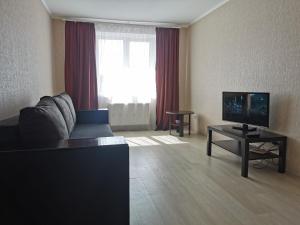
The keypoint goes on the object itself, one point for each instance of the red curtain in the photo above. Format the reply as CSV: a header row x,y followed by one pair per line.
x,y
167,72
80,64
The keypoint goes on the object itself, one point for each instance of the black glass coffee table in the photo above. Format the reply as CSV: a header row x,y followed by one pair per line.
x,y
239,145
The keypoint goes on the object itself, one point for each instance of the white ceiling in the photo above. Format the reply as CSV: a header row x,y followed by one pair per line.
x,y
157,11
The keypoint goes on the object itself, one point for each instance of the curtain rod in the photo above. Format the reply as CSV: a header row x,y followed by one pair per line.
x,y
98,20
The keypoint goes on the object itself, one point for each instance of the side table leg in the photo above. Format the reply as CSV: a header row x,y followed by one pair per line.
x,y
189,124
181,126
282,157
177,127
209,139
170,126
245,158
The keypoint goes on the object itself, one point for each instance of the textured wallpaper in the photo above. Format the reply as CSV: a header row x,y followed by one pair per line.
x,y
25,55
58,34
184,82
250,45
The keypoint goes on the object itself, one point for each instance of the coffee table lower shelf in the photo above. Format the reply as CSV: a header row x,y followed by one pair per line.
x,y
234,147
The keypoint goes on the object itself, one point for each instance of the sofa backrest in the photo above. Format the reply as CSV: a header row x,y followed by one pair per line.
x,y
42,123
69,101
64,108
52,119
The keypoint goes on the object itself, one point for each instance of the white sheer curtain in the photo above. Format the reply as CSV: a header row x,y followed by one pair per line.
x,y
126,73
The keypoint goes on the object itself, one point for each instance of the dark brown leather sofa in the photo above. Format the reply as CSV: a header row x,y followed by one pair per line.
x,y
58,166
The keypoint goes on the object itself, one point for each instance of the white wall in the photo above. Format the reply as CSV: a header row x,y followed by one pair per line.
x,y
250,45
25,55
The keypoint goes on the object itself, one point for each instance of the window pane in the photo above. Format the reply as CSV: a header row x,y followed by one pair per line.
x,y
110,54
139,54
110,63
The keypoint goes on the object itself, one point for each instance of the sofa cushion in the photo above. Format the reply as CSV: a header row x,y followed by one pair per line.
x,y
42,123
69,101
91,131
65,111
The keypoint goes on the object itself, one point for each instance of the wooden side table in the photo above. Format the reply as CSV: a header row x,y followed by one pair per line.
x,y
180,118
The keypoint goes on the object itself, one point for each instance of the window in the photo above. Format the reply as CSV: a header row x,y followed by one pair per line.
x,y
126,67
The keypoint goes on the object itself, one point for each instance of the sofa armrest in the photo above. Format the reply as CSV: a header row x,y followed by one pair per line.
x,y
100,116
74,180
70,144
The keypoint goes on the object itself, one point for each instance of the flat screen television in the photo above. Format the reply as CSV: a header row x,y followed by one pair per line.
x,y
247,108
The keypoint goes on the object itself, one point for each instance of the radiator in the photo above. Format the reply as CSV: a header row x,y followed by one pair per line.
x,y
129,116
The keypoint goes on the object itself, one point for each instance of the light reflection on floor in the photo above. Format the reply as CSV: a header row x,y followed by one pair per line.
x,y
169,140
140,141
145,141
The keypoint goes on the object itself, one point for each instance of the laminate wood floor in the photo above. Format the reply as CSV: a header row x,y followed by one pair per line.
x,y
173,182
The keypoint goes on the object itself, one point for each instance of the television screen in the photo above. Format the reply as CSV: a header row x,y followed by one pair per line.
x,y
246,107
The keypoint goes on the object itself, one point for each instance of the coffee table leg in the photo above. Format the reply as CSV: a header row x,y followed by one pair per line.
x,y
209,139
282,156
245,158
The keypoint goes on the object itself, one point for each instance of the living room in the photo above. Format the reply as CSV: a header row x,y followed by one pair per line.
x,y
128,112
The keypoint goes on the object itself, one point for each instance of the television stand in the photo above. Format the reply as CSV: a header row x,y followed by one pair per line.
x,y
239,145
245,128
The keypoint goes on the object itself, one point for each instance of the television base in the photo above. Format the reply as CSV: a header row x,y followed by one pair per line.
x,y
245,128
